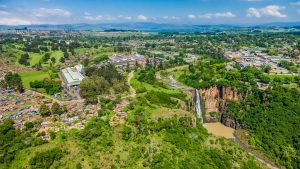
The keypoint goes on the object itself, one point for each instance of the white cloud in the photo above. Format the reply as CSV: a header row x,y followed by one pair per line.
x,y
94,18
253,12
217,15
45,12
15,21
4,13
142,18
295,3
191,16
271,10
124,17
170,17
11,18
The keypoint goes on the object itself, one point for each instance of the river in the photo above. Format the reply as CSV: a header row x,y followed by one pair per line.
x,y
219,129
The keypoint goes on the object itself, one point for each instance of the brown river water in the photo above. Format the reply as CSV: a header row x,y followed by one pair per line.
x,y
218,129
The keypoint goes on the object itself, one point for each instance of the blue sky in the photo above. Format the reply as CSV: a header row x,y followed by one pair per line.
x,y
16,12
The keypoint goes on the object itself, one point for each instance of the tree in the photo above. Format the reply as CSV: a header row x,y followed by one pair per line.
x,y
266,68
126,133
24,59
53,60
93,86
56,109
29,125
13,80
44,110
66,55
46,57
85,62
62,60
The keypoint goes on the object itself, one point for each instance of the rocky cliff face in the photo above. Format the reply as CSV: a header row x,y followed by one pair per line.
x,y
214,103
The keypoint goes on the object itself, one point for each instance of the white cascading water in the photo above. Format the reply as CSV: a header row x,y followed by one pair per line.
x,y
198,105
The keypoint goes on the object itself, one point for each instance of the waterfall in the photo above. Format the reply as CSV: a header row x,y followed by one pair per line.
x,y
198,104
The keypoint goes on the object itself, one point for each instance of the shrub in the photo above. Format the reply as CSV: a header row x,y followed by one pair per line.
x,y
46,159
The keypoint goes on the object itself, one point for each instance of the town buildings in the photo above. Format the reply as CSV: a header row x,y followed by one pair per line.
x,y
128,60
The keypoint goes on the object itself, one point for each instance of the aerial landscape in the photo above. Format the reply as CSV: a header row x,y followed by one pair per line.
x,y
163,84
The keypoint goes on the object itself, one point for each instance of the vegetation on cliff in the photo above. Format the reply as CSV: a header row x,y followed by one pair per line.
x,y
270,114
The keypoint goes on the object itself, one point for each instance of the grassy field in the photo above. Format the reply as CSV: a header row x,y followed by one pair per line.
x,y
137,84
28,77
57,55
35,58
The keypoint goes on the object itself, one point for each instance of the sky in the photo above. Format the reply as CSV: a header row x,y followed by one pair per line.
x,y
26,12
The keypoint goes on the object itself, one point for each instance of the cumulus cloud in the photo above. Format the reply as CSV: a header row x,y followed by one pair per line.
x,y
191,16
142,18
170,17
98,18
217,15
93,18
124,17
16,21
271,11
46,12
253,12
7,18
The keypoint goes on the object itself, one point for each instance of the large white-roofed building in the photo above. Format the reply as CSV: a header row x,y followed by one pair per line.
x,y
72,76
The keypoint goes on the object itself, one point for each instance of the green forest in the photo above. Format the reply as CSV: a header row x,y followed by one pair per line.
x,y
271,116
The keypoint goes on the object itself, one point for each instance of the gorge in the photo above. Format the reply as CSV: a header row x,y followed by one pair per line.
x,y
214,101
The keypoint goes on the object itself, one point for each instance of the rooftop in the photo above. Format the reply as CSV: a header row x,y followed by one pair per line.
x,y
72,75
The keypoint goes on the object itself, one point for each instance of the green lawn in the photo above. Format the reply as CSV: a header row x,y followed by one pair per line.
x,y
57,55
35,58
137,84
28,77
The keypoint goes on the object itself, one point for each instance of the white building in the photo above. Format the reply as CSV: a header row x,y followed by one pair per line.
x,y
72,76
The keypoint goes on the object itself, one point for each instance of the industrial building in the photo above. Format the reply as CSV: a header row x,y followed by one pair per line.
x,y
72,76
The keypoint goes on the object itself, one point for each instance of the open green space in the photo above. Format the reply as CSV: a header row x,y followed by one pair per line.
x,y
30,76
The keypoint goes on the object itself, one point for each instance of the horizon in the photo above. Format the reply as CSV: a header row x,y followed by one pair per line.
x,y
296,23
188,12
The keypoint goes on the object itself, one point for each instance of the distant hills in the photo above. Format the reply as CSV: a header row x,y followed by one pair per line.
x,y
150,27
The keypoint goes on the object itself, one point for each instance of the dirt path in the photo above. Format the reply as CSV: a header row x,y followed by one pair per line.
x,y
132,90
124,102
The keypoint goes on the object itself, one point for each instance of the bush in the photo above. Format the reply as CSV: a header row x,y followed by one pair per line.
x,y
45,159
